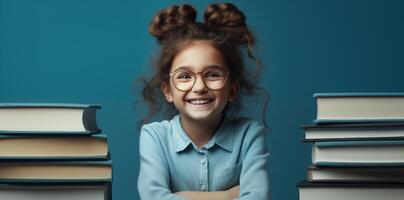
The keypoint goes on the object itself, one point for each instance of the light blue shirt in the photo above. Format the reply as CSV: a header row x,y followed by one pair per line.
x,y
170,162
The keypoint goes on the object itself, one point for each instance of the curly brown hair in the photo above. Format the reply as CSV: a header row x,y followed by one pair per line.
x,y
224,28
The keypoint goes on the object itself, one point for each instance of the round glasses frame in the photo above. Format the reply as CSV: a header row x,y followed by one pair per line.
x,y
171,75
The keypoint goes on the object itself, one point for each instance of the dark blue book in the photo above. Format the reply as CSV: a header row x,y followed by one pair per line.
x,y
53,147
48,118
359,107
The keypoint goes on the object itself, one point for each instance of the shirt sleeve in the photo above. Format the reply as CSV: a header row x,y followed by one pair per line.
x,y
254,177
153,179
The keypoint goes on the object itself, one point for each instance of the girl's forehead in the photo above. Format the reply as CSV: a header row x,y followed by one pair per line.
x,y
198,56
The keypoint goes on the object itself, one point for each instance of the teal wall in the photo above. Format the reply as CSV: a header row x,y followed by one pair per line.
x,y
90,51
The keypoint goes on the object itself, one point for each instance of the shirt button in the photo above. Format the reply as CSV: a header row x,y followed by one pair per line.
x,y
203,161
203,187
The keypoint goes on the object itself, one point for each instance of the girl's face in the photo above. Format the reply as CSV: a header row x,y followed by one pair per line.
x,y
199,101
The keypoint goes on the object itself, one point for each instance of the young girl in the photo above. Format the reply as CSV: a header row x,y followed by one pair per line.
x,y
203,151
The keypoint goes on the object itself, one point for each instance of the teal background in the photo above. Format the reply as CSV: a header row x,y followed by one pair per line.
x,y
90,51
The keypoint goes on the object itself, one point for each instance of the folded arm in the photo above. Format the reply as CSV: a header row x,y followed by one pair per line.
x,y
153,180
254,177
230,194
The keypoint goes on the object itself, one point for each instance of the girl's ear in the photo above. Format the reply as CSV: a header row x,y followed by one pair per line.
x,y
165,88
234,89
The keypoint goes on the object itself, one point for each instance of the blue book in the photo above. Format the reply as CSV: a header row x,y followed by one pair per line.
x,y
52,191
55,171
53,147
359,107
48,118
381,153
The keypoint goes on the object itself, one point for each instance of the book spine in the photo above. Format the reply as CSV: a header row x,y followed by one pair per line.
x,y
359,143
53,158
355,94
355,121
48,105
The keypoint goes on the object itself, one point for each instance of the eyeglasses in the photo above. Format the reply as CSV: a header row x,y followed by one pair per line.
x,y
214,78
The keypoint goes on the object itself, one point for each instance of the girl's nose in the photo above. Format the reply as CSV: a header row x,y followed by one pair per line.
x,y
199,85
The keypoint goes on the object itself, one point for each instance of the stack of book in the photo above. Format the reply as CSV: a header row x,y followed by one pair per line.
x,y
53,151
358,147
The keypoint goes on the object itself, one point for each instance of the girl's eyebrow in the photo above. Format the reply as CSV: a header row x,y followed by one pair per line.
x,y
203,68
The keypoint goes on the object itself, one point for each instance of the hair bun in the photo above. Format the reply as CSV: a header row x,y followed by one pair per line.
x,y
224,15
170,18
228,18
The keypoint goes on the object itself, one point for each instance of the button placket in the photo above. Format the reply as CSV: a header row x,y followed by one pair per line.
x,y
203,172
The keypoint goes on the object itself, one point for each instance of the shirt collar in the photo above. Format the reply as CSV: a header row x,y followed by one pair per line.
x,y
181,139
223,136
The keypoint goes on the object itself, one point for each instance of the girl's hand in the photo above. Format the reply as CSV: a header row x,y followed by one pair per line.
x,y
234,192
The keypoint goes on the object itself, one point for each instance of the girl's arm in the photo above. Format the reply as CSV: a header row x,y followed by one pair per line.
x,y
153,180
229,194
254,177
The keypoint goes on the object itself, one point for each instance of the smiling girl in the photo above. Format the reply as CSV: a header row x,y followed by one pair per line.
x,y
202,151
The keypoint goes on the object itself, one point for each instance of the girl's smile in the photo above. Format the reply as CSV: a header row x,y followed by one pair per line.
x,y
200,103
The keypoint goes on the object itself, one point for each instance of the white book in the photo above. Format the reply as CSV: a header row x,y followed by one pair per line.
x,y
345,191
359,107
28,118
358,153
357,131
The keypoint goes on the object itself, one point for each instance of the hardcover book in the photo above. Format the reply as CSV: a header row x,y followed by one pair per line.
x,y
39,118
51,147
350,191
55,171
372,131
52,191
382,153
356,174
359,107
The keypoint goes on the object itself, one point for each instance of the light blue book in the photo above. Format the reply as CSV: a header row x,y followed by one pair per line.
x,y
359,107
48,118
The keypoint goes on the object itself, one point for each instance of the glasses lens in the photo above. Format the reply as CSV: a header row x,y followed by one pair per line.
x,y
183,79
215,78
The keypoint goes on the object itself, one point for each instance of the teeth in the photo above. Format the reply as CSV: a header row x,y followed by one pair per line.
x,y
200,101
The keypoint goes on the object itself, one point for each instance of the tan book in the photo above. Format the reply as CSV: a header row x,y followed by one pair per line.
x,y
58,171
93,147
